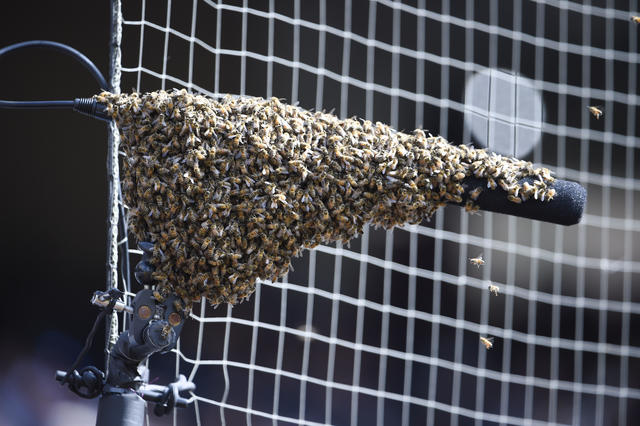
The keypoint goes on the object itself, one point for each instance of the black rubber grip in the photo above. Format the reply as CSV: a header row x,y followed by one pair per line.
x,y
565,208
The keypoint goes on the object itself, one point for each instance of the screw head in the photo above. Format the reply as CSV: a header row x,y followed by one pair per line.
x,y
144,312
175,319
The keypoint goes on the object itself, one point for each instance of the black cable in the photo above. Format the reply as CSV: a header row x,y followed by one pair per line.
x,y
87,106
115,294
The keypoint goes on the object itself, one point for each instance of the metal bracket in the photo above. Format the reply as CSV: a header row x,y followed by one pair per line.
x,y
156,324
155,327
167,397
87,383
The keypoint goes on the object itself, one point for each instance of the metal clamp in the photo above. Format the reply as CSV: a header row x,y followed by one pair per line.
x,y
156,324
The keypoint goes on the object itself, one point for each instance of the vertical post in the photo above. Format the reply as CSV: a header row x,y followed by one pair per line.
x,y
117,407
113,177
121,409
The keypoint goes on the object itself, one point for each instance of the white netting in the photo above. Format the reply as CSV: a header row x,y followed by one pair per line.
x,y
386,330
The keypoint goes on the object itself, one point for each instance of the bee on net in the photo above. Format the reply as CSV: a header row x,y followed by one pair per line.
x,y
487,342
478,261
494,289
596,111
471,208
636,19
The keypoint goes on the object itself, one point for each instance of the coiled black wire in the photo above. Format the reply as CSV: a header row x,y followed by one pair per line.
x,y
87,106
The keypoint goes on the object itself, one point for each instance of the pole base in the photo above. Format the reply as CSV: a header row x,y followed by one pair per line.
x,y
121,409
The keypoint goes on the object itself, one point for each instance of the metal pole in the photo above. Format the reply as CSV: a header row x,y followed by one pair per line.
x,y
121,409
113,173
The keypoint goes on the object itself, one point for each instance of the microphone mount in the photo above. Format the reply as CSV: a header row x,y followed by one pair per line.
x,y
156,324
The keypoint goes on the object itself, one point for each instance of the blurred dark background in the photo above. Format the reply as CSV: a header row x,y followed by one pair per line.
x,y
54,208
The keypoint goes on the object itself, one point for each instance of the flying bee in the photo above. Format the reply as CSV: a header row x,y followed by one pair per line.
x,y
596,111
494,289
290,243
487,342
478,261
635,19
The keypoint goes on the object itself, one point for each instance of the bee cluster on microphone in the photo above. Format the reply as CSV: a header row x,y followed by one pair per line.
x,y
230,190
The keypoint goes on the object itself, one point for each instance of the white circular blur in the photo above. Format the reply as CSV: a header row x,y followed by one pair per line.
x,y
503,112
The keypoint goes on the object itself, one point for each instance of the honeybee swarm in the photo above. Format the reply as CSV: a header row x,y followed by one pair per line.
x,y
230,190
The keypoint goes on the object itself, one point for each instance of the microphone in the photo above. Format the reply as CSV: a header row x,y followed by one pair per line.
x,y
564,208
227,191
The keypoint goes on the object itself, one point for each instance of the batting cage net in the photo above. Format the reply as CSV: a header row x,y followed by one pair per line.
x,y
386,329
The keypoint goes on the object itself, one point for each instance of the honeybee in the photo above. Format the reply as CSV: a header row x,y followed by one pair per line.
x,y
596,111
491,184
177,305
475,193
504,185
487,342
158,296
165,330
549,195
477,260
635,19
205,243
159,276
514,199
471,208
494,289
478,171
342,218
331,202
459,176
